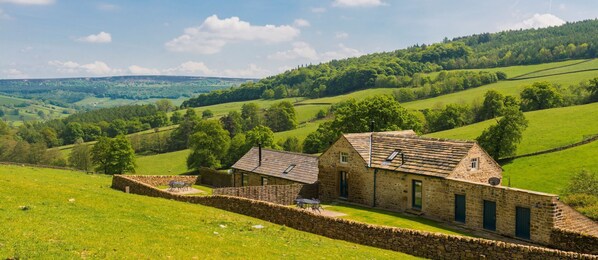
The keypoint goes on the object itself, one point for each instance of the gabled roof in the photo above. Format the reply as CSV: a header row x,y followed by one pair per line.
x,y
426,156
274,163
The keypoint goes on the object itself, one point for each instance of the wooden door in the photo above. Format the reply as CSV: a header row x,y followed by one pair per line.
x,y
522,222
343,185
490,215
460,208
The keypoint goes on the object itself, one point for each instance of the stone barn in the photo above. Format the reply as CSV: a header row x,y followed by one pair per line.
x,y
260,167
447,180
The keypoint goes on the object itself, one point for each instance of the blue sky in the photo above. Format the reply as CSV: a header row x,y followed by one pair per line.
x,y
68,38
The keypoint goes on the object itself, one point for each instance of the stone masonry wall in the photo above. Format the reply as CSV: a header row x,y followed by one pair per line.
x,y
487,168
418,243
161,180
279,194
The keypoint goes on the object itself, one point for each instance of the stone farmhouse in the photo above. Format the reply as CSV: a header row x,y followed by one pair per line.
x,y
260,167
446,180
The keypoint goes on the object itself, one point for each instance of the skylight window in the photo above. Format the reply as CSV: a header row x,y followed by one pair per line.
x,y
289,169
393,155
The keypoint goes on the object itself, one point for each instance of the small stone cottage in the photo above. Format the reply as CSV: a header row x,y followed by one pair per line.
x,y
449,180
271,167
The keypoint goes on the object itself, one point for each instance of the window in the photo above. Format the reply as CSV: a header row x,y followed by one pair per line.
x,y
475,163
393,155
289,169
416,195
244,179
264,181
344,157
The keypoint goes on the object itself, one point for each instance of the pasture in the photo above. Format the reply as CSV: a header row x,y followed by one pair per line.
x,y
56,214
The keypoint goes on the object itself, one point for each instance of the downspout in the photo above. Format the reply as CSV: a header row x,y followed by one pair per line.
x,y
375,174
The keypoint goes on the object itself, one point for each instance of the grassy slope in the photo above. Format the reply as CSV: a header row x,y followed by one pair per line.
x,y
551,172
547,129
105,223
163,164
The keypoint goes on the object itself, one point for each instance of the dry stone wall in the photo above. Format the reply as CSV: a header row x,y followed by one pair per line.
x,y
279,194
418,243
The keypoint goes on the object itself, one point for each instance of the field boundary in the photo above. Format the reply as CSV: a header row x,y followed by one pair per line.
x,y
40,166
519,77
587,140
414,242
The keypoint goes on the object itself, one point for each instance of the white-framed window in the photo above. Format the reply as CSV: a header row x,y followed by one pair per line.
x,y
264,181
475,163
344,157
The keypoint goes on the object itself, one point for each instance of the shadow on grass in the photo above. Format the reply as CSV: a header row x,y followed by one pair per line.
x,y
394,219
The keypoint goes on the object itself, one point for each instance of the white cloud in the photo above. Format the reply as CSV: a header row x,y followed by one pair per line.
x,y
301,23
95,68
14,73
252,71
357,3
4,15
537,21
341,35
102,37
134,69
28,2
300,50
318,10
214,33
191,67
341,53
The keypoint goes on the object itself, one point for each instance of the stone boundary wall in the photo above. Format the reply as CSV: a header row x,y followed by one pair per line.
x,y
578,242
278,194
557,149
160,180
414,242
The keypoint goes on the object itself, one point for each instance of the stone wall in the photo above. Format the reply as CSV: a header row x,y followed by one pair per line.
x,y
161,180
574,241
279,194
418,243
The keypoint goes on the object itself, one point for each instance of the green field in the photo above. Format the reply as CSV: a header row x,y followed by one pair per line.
x,y
546,129
104,223
300,132
551,172
579,66
96,102
361,94
163,164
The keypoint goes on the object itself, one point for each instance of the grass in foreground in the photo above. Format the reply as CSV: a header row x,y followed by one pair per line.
x,y
104,223
393,219
547,129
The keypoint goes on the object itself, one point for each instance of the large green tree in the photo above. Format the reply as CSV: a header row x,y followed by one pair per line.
x,y
501,140
232,122
80,156
250,112
209,145
260,135
179,139
281,117
540,95
113,155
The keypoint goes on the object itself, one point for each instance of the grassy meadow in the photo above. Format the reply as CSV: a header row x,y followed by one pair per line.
x,y
163,164
74,215
546,129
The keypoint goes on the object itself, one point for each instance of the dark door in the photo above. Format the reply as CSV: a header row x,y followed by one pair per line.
x,y
416,194
460,208
490,215
522,223
344,185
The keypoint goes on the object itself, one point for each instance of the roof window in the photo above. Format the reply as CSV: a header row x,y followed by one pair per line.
x,y
393,155
289,169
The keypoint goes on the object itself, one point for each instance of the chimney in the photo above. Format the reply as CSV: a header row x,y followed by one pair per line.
x,y
259,147
372,126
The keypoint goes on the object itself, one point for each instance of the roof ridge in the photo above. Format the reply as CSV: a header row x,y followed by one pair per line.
x,y
286,152
428,138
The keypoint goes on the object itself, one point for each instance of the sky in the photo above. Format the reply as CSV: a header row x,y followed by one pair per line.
x,y
246,39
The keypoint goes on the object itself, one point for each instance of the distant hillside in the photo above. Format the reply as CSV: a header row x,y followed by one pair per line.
x,y
66,91
402,68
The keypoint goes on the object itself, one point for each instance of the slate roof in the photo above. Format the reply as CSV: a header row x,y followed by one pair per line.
x,y
425,156
274,163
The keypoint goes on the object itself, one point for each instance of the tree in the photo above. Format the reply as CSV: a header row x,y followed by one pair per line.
x,y
540,95
281,116
280,92
176,117
72,132
207,114
238,147
80,157
291,144
180,136
251,116
117,127
165,105
493,105
113,155
452,116
209,145
501,140
232,122
593,89
260,134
